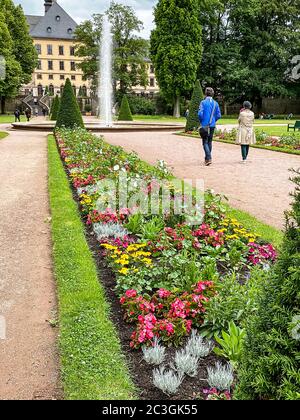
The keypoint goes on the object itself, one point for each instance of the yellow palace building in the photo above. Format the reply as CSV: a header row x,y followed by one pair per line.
x,y
53,37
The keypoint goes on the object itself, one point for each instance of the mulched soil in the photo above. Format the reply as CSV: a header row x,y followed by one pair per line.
x,y
141,372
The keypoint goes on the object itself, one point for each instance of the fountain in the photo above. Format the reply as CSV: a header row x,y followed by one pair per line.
x,y
105,74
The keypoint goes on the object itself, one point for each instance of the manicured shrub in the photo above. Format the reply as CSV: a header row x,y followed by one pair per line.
x,y
270,362
69,114
141,105
193,120
125,111
54,108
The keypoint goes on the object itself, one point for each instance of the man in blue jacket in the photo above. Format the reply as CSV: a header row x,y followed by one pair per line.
x,y
209,113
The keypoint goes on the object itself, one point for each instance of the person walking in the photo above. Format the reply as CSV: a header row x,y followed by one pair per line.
x,y
36,111
246,133
209,113
28,114
44,112
17,114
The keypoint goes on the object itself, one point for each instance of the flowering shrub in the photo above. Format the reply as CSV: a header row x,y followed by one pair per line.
x,y
261,254
166,315
213,394
210,236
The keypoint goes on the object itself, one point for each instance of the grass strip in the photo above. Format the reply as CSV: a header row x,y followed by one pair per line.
x,y
93,366
254,146
3,135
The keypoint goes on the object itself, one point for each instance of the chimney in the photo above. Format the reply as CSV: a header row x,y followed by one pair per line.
x,y
48,4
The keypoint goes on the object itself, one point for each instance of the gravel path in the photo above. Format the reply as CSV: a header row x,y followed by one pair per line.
x,y
261,187
28,354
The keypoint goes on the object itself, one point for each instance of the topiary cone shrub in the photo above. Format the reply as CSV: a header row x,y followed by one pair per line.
x,y
193,119
125,111
54,108
271,359
69,114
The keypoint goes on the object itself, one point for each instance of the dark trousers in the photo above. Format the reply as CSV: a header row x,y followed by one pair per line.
x,y
245,151
207,144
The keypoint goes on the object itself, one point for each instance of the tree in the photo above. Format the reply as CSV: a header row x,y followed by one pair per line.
x,y
270,363
55,108
193,119
129,67
69,115
9,85
125,111
22,49
176,47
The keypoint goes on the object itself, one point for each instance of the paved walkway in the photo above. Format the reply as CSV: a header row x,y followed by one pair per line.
x,y
261,187
28,354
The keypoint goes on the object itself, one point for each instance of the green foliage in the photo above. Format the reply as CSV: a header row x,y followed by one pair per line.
x,y
16,46
231,344
135,223
125,111
55,108
141,105
152,229
176,47
232,302
270,363
193,119
93,366
130,50
69,115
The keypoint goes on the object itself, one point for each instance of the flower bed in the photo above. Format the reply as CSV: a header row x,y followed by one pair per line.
x,y
289,142
163,275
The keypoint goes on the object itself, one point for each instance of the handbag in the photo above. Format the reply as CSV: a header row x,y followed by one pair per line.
x,y
205,131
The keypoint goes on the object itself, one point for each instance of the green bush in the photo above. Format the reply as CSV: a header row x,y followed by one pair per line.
x,y
141,105
54,108
125,111
270,363
69,115
193,119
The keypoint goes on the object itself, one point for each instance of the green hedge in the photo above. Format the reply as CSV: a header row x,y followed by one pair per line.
x,y
69,114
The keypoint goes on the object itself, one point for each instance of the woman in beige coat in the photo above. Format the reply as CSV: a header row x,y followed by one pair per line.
x,y
246,134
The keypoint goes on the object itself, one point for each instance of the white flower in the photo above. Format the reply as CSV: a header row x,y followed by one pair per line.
x,y
116,168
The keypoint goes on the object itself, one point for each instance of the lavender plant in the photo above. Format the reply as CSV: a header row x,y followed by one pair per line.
x,y
109,230
197,346
154,355
167,381
186,363
220,377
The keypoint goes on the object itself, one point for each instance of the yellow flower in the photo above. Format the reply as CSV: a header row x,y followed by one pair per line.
x,y
124,271
108,246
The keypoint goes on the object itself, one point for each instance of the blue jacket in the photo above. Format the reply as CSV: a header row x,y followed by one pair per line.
x,y
205,111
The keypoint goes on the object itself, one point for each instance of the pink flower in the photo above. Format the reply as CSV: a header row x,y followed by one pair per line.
x,y
163,293
131,293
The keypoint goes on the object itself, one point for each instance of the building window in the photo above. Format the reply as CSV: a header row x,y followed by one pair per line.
x,y
84,91
61,88
83,78
57,18
61,65
50,76
61,50
39,65
152,69
50,65
72,50
73,77
51,90
62,77
38,48
70,31
49,29
152,82
40,90
49,50
39,76
73,66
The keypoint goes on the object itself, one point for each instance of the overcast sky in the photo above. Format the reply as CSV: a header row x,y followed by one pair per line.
x,y
83,9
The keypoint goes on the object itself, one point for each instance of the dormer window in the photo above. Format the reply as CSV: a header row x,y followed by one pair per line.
x,y
57,18
70,31
49,29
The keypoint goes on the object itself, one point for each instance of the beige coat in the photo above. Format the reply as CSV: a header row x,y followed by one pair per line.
x,y
246,132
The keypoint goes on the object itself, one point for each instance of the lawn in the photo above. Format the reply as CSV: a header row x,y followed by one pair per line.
x,y
6,119
93,366
3,135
